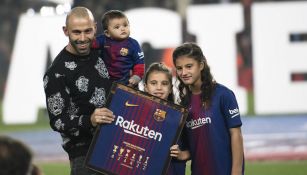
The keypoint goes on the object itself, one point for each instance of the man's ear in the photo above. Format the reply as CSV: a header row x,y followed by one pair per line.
x,y
65,30
95,27
106,32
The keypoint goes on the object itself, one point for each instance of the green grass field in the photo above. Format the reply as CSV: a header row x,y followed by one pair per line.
x,y
252,168
55,168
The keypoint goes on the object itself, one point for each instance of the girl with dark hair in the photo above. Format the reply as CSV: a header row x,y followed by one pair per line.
x,y
213,128
158,82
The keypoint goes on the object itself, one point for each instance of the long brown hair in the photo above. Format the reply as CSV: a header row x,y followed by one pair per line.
x,y
192,50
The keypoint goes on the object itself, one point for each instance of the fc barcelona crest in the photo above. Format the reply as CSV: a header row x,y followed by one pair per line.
x,y
159,115
123,51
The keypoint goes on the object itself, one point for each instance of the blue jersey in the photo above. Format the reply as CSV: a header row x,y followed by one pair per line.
x,y
121,57
208,135
176,167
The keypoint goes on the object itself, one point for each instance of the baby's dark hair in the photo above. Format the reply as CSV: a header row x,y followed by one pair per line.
x,y
160,67
109,15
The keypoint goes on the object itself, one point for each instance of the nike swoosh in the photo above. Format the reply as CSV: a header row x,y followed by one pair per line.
x,y
130,105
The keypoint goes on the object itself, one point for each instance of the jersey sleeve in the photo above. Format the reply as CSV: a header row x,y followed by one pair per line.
x,y
98,42
63,114
230,109
138,60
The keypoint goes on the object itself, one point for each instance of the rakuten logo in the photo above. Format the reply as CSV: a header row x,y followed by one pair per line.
x,y
193,124
134,129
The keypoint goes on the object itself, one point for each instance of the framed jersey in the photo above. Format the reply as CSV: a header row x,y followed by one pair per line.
x,y
139,139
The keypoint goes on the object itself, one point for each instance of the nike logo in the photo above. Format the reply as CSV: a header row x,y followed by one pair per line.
x,y
129,104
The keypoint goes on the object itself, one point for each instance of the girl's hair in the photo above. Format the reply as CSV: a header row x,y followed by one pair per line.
x,y
109,15
192,50
160,67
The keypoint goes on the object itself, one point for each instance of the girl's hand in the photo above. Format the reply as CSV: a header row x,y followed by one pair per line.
x,y
175,151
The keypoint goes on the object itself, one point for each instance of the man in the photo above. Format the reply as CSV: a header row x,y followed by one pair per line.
x,y
76,85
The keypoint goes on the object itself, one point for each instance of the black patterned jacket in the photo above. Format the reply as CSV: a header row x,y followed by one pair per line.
x,y
74,87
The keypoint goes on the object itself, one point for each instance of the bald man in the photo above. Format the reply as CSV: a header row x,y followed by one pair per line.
x,y
76,86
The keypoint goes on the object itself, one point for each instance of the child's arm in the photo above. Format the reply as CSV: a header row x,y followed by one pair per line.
x,y
134,80
138,64
98,42
237,151
137,74
177,153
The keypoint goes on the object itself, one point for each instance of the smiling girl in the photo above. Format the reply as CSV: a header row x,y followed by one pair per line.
x,y
213,126
158,82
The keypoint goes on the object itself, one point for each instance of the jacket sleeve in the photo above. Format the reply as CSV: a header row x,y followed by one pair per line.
x,y
63,113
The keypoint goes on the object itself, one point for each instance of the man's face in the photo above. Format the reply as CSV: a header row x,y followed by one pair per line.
x,y
81,32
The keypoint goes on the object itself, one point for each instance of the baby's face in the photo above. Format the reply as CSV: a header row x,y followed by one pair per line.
x,y
118,29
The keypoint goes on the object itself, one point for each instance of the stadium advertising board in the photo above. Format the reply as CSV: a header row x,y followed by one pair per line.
x,y
275,56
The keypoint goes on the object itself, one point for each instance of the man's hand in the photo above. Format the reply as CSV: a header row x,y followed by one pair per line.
x,y
102,115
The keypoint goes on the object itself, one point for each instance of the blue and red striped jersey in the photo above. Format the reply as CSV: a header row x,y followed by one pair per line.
x,y
207,132
121,57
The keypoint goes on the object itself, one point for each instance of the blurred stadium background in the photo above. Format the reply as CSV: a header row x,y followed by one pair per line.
x,y
256,47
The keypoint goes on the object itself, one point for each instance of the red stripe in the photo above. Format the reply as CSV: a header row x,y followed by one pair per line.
x,y
138,70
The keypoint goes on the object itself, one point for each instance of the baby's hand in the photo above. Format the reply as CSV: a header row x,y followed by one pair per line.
x,y
132,82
